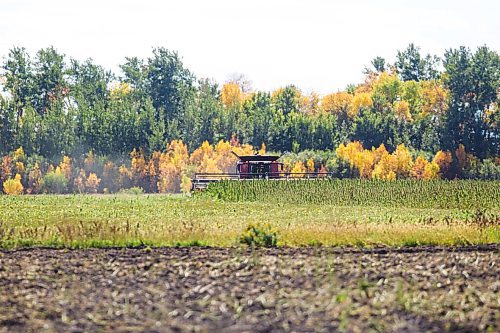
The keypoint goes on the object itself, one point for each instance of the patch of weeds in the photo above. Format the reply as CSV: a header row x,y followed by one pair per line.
x,y
360,243
259,235
403,297
483,220
342,297
462,241
190,243
364,286
315,243
411,243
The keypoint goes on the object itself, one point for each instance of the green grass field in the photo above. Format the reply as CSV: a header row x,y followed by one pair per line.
x,y
170,220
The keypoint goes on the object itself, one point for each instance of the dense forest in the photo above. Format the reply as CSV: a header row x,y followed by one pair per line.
x,y
54,107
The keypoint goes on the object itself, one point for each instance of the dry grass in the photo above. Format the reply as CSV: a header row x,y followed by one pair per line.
x,y
159,220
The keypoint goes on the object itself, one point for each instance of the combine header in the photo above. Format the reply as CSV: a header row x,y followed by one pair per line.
x,y
254,167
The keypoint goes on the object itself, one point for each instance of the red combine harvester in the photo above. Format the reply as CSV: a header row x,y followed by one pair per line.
x,y
254,167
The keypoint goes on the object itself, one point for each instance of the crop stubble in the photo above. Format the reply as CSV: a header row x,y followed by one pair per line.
x,y
239,289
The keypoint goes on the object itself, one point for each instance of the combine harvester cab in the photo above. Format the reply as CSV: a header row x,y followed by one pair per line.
x,y
259,167
254,167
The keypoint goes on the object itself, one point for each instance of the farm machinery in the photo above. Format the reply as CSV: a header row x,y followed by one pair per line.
x,y
251,167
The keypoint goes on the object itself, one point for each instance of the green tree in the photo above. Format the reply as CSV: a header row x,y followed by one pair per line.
x,y
410,65
203,116
379,64
169,83
19,79
260,112
286,100
474,81
50,83
57,132
89,82
7,126
374,128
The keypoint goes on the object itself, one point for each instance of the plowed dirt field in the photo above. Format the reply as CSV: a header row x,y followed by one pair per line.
x,y
238,289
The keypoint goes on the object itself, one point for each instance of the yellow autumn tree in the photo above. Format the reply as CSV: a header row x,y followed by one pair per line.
x,y
65,167
431,171
124,177
434,98
120,90
20,168
298,168
262,150
357,157
379,152
384,169
19,154
337,103
89,161
201,153
243,150
171,167
223,157
404,161
349,151
385,164
209,165
310,165
138,168
364,162
92,183
309,104
79,182
402,110
424,170
152,170
359,101
168,181
13,186
231,95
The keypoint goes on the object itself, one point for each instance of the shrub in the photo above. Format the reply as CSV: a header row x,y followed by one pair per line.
x,y
54,182
259,235
133,190
13,186
489,170
485,170
92,183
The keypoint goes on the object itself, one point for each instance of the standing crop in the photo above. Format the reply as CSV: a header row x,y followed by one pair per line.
x,y
347,192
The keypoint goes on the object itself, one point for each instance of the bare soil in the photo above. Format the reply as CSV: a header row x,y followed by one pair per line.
x,y
237,289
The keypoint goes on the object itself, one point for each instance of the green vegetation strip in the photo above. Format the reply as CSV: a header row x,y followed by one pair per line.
x,y
462,194
167,220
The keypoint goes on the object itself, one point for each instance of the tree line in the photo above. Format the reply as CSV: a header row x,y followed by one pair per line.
x,y
52,106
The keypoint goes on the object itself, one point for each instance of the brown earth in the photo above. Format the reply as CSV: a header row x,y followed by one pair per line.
x,y
235,290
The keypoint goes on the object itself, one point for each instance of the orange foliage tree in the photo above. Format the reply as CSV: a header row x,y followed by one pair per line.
x,y
423,169
444,159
